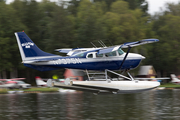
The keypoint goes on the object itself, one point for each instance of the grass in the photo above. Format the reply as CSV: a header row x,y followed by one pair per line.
x,y
170,85
33,89
3,90
43,89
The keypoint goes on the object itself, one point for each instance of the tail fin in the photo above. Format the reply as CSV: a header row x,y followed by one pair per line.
x,y
173,76
40,82
174,79
27,47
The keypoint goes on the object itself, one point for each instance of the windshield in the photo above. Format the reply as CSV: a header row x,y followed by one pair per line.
x,y
120,51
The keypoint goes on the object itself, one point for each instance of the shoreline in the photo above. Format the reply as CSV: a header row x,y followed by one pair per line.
x,y
47,89
30,90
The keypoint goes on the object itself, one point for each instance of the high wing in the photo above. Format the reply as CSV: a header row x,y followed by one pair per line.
x,y
40,60
102,50
141,42
127,45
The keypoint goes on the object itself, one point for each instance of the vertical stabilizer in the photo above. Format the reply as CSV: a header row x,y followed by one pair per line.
x,y
175,79
40,82
28,48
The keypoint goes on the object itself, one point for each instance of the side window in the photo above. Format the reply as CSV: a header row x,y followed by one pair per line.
x,y
90,56
111,54
99,55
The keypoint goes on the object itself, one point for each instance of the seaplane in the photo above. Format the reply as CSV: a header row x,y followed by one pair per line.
x,y
14,83
106,59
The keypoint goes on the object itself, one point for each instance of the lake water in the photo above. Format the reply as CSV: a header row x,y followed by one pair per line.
x,y
150,105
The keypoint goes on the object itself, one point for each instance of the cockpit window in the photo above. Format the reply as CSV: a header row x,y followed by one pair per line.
x,y
120,51
110,54
80,55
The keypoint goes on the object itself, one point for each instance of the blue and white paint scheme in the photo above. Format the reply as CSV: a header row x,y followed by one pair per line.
x,y
83,58
101,59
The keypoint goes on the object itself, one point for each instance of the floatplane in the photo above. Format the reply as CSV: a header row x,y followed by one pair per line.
x,y
107,59
11,83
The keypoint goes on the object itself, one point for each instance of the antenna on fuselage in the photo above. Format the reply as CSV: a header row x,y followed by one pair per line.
x,y
93,45
103,43
100,42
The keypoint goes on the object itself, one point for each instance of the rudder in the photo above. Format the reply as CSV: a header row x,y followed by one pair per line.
x,y
28,48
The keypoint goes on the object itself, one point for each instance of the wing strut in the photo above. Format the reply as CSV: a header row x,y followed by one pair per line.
x,y
129,48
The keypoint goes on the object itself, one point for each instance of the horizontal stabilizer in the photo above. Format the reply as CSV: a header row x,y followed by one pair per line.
x,y
64,50
40,60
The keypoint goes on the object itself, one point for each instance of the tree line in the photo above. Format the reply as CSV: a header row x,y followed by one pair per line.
x,y
77,23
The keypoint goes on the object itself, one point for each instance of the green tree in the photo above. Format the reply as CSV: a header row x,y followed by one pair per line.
x,y
61,29
123,24
29,14
138,4
172,8
47,10
72,7
168,50
165,54
107,2
90,23
133,4
9,23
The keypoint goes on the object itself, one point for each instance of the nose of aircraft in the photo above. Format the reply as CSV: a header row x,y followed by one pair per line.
x,y
142,57
137,56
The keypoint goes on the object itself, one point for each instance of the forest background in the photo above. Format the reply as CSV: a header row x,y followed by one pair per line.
x,y
76,23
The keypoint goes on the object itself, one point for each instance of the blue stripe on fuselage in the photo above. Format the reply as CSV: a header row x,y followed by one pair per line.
x,y
111,65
